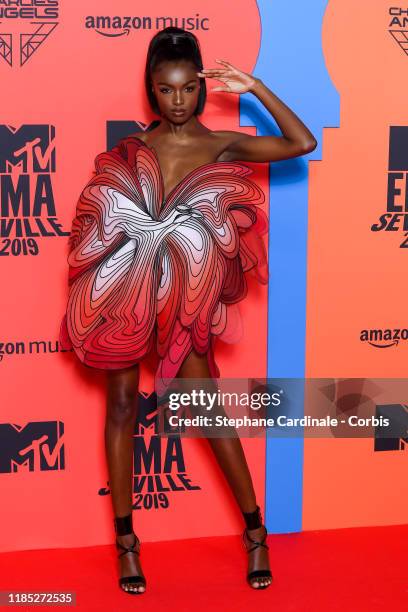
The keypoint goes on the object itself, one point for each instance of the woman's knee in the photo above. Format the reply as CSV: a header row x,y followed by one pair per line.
x,y
122,408
122,397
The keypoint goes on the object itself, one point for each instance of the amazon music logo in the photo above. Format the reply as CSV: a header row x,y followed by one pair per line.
x,y
24,26
17,348
114,26
398,24
383,338
33,447
395,219
27,205
159,467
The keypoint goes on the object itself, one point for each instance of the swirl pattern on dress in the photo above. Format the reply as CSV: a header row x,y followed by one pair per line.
x,y
147,271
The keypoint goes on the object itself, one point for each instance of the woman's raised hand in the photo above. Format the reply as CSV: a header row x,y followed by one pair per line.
x,y
235,80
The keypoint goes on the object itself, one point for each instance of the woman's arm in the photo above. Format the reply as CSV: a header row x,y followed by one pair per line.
x,y
296,140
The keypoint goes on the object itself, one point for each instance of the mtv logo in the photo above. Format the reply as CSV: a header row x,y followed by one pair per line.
x,y
396,436
27,148
398,148
147,414
116,130
34,447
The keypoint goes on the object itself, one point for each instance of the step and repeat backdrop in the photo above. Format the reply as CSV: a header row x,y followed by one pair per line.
x,y
72,81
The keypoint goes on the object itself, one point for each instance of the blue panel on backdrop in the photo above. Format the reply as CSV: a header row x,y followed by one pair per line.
x,y
292,65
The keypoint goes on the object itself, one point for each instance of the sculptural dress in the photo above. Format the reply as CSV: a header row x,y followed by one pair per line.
x,y
152,272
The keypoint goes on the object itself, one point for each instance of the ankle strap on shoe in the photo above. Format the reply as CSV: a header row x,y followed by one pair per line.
x,y
131,548
256,543
253,520
123,524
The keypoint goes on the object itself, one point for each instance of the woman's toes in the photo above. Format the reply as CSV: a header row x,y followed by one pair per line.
x,y
259,583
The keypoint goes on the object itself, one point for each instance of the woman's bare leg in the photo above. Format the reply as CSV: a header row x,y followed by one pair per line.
x,y
122,388
231,458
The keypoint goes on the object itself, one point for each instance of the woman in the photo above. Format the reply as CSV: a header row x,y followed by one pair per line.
x,y
129,287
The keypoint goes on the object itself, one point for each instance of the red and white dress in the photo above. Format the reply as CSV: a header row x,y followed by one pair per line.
x,y
148,272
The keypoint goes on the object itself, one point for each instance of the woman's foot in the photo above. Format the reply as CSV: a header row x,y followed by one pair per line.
x,y
131,574
259,574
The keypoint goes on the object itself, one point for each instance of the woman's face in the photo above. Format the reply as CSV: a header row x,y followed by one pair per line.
x,y
176,87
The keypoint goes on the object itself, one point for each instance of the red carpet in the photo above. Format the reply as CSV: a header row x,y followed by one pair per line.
x,y
354,569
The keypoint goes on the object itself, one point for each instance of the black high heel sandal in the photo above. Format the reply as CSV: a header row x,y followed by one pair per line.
x,y
253,520
123,526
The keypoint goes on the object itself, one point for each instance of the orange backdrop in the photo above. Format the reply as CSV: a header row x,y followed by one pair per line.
x,y
77,80
355,276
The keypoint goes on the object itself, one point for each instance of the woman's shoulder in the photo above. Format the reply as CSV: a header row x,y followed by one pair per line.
x,y
225,135
217,141
143,134
225,138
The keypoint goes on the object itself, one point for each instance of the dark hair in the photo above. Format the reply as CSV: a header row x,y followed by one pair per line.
x,y
172,44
